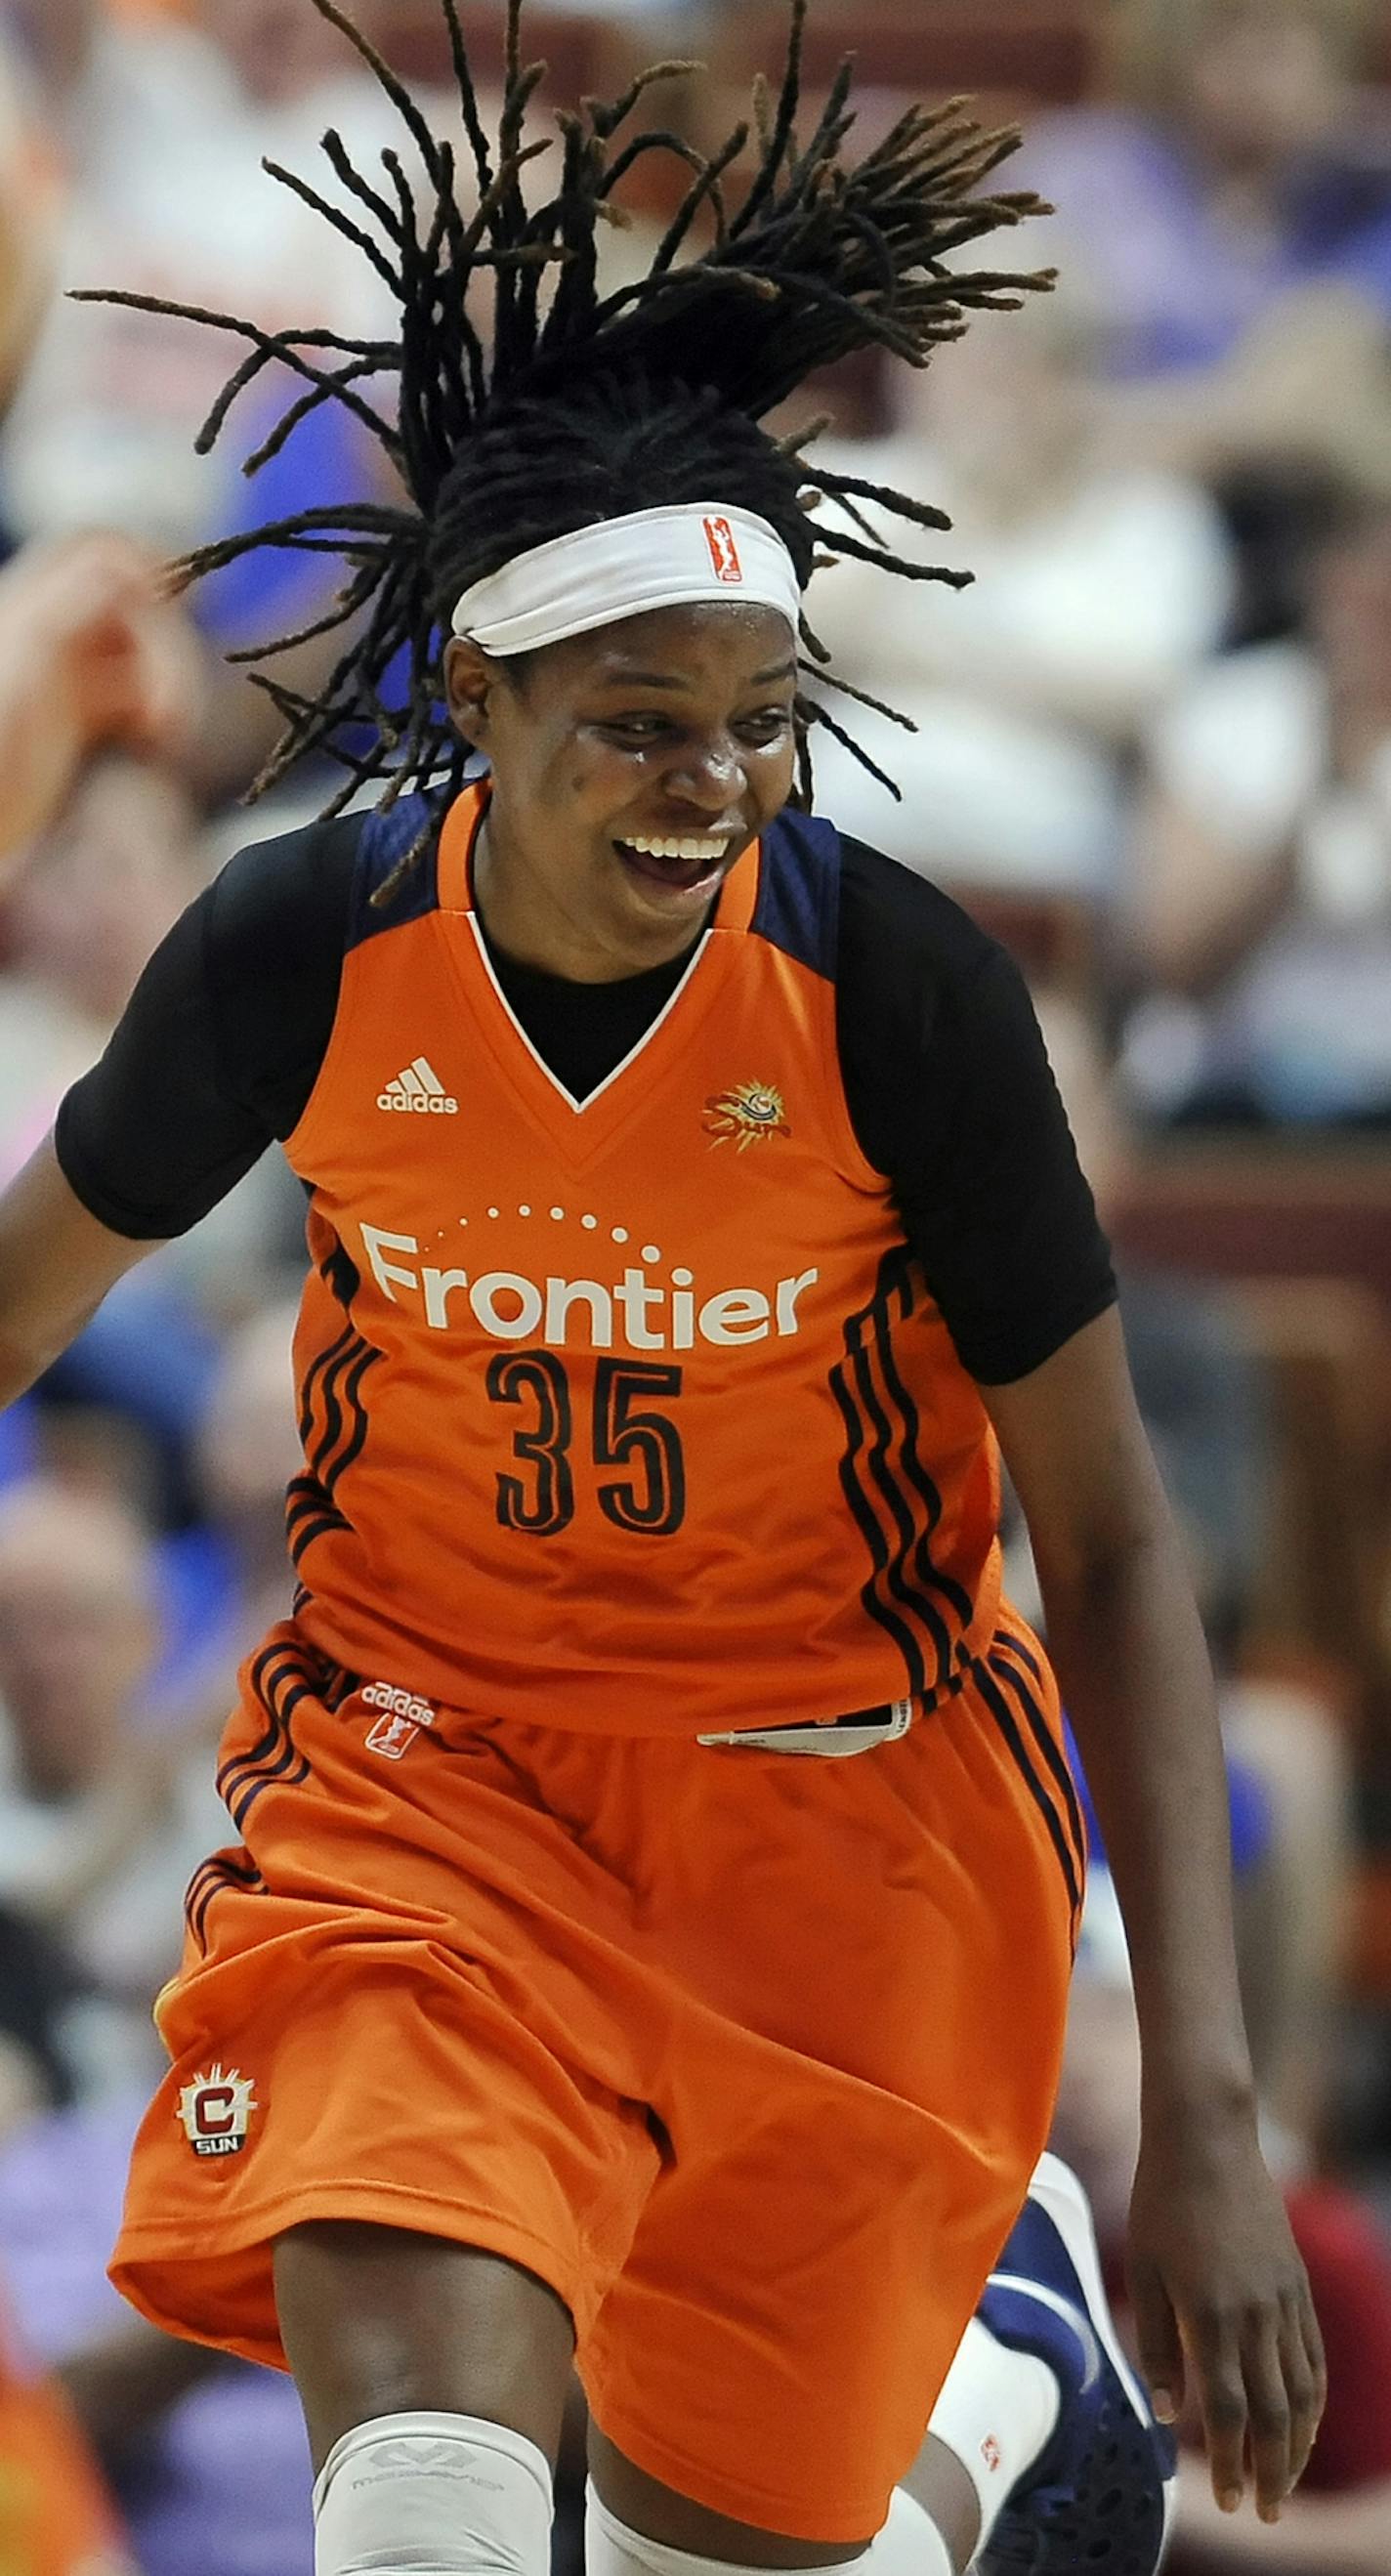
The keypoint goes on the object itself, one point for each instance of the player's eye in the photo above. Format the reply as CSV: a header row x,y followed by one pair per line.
x,y
766,725
636,728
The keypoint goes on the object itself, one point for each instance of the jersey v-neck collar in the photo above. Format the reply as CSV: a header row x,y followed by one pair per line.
x,y
512,1042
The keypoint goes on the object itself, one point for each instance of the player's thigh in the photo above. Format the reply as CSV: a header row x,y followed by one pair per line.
x,y
382,2321
661,2513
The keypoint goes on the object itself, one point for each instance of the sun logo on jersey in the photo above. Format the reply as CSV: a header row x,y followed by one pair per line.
x,y
750,1112
216,2111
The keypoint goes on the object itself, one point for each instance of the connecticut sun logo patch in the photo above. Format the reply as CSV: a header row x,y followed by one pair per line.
x,y
750,1112
216,2111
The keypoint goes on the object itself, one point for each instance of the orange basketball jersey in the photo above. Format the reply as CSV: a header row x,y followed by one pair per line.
x,y
633,1413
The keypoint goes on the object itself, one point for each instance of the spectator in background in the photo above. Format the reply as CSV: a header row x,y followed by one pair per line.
x,y
101,1822
1098,587
162,119
1205,1402
207,2457
30,202
1338,2524
55,2517
1231,213
238,1577
162,130
1260,908
92,657
1240,161
116,870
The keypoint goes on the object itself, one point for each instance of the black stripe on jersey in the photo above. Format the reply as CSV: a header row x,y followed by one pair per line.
x,y
343,1400
281,1681
260,1670
317,1370
1042,1733
862,1512
340,1273
1004,1638
897,1288
308,1514
311,1509
894,1502
886,1501
999,1706
225,1869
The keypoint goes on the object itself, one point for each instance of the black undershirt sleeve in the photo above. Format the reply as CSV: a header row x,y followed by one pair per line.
x,y
952,1098
220,1045
947,1082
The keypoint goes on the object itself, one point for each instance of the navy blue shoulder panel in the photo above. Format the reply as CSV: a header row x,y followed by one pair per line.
x,y
385,840
798,908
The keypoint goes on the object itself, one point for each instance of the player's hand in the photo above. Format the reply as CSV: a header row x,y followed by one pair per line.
x,y
1225,2319
92,653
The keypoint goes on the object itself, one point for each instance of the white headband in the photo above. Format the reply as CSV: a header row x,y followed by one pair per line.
x,y
665,558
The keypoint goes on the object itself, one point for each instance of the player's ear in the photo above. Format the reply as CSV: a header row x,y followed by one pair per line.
x,y
468,684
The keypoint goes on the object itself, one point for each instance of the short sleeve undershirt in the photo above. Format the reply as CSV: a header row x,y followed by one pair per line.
x,y
946,1079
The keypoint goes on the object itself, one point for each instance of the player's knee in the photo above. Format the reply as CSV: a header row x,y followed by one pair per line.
x,y
433,2495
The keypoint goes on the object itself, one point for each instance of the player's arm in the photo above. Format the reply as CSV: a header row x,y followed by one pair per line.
x,y
953,1098
215,1054
57,1262
1221,2297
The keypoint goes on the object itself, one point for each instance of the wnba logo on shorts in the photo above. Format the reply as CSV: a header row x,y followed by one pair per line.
x,y
392,1736
402,1718
216,2112
724,554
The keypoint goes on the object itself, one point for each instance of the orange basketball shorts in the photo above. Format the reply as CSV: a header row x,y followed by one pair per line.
x,y
748,2055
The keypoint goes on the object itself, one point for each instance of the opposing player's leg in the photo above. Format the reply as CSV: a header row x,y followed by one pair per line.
x,y
1042,2411
433,2379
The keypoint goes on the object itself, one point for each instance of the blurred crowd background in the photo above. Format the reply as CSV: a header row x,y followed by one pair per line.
x,y
1152,751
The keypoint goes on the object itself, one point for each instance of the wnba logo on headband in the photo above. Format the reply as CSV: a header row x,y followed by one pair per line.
x,y
724,554
670,557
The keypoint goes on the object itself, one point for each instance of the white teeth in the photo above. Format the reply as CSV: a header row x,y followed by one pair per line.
x,y
677,849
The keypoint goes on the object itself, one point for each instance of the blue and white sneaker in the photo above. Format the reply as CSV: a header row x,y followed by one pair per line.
x,y
1101,2496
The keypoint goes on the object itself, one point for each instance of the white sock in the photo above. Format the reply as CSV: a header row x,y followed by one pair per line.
x,y
996,2413
433,2495
909,2545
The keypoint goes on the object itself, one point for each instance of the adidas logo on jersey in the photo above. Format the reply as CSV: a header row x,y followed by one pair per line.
x,y
419,1092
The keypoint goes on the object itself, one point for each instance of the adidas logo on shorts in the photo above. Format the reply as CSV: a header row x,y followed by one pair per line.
x,y
402,1717
419,1092
398,1703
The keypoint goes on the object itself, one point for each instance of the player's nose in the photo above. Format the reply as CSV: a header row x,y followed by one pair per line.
x,y
710,777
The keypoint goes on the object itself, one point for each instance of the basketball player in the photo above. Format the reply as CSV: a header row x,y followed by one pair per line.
x,y
648,1931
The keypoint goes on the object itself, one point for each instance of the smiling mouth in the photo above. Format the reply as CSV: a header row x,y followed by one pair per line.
x,y
694,859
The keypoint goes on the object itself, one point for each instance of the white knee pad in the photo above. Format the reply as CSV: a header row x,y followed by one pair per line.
x,y
433,2495
909,2545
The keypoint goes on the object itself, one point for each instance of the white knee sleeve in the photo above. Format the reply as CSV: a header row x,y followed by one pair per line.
x,y
909,2545
433,2495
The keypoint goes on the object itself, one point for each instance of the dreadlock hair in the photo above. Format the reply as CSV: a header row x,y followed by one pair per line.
x,y
582,406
